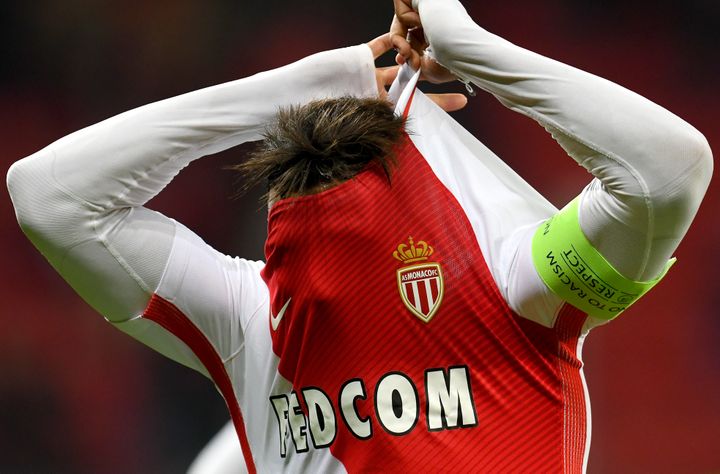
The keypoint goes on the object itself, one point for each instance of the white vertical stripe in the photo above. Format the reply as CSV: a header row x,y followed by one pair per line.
x,y
588,415
428,290
416,295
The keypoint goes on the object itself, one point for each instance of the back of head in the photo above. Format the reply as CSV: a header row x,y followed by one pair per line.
x,y
314,146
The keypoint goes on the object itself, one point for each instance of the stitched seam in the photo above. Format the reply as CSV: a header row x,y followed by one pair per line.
x,y
234,354
256,312
119,259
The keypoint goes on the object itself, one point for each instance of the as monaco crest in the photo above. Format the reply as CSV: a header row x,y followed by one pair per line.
x,y
421,285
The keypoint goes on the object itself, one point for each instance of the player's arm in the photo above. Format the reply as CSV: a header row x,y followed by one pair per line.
x,y
80,200
651,168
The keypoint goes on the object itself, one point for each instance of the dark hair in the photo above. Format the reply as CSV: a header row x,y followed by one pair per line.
x,y
322,143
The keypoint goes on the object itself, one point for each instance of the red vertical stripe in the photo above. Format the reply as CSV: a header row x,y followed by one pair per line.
x,y
568,329
173,320
410,294
409,103
434,289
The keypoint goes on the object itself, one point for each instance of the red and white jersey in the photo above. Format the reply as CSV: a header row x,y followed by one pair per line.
x,y
396,327
385,343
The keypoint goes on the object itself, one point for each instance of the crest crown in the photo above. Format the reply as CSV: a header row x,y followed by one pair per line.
x,y
413,252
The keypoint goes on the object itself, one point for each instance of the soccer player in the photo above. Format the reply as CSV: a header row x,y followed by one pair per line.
x,y
421,307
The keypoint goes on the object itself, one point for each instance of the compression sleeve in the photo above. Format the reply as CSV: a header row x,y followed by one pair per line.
x,y
80,199
651,168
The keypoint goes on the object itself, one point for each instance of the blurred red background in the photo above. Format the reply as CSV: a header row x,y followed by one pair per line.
x,y
76,396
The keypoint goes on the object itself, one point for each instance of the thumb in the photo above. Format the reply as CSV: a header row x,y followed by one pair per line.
x,y
449,102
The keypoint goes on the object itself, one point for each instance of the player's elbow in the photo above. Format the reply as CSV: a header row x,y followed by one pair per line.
x,y
703,159
30,190
688,179
696,163
19,185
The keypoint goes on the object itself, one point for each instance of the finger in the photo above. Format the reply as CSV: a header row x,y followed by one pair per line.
x,y
388,74
398,34
407,16
449,102
380,45
414,59
434,72
404,49
397,28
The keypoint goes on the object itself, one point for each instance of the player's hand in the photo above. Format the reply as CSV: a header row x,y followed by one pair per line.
x,y
384,76
408,39
433,72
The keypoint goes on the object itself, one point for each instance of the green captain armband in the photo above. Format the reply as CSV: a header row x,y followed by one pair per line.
x,y
575,271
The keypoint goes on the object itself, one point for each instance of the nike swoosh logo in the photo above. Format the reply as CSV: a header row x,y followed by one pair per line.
x,y
275,320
